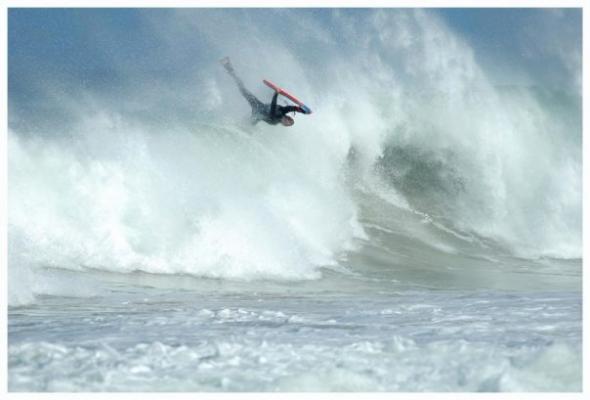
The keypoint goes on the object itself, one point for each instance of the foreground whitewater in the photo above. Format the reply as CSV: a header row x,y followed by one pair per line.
x,y
440,319
181,340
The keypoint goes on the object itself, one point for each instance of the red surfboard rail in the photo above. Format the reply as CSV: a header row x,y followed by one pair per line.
x,y
288,95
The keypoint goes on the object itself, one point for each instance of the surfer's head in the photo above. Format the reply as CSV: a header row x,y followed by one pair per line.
x,y
287,121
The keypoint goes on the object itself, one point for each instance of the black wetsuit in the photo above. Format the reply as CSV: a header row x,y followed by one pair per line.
x,y
270,113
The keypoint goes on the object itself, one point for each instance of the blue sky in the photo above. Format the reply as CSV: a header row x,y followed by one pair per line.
x,y
61,40
523,38
110,51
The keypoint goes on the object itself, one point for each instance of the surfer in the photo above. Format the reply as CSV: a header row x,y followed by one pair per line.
x,y
270,113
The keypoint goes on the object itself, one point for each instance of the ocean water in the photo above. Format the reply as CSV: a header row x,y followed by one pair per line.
x,y
421,231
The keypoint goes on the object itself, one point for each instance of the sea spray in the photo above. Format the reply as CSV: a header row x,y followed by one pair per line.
x,y
159,173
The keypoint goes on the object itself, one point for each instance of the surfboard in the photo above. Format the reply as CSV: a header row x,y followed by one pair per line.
x,y
283,92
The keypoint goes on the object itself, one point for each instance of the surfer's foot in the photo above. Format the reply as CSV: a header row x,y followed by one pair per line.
x,y
226,64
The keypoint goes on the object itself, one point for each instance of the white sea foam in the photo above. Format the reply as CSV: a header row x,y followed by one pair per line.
x,y
425,341
412,118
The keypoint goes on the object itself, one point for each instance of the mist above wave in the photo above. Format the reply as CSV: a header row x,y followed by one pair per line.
x,y
159,174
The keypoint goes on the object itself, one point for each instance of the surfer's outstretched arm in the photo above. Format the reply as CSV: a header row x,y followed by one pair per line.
x,y
288,109
273,103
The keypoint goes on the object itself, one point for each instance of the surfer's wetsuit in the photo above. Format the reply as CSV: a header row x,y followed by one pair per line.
x,y
271,113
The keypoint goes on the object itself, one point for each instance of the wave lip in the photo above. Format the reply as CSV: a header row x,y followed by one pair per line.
x,y
175,204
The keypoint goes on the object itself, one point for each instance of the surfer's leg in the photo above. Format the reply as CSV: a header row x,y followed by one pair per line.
x,y
250,98
256,104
